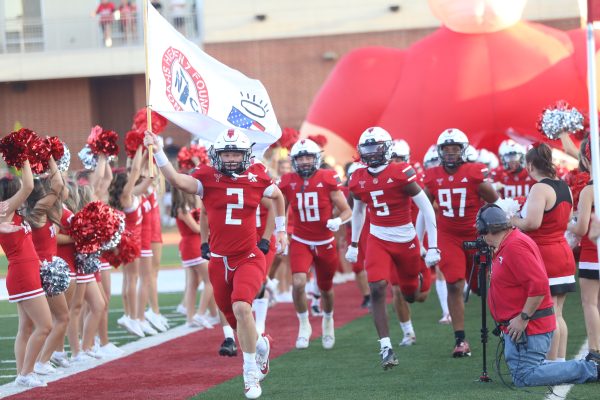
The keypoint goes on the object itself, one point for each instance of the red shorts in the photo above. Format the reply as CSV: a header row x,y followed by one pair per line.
x,y
85,278
456,263
23,281
67,253
156,226
405,258
325,258
237,278
425,273
190,252
147,236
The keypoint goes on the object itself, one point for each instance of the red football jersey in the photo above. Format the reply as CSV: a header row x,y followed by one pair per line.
x,y
261,221
383,193
514,185
457,196
310,201
231,207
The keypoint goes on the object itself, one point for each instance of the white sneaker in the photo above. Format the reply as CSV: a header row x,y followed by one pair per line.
x,y
122,322
31,380
164,320
81,358
93,353
284,297
252,388
110,350
132,326
328,339
154,319
262,357
212,319
304,336
409,339
194,325
147,328
181,309
339,278
271,286
445,320
201,320
60,359
45,369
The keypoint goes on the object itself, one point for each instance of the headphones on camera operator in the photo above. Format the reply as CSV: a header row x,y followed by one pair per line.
x,y
491,219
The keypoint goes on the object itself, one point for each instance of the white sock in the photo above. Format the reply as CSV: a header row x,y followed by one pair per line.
x,y
249,361
560,359
260,307
407,327
328,315
303,317
385,342
442,292
261,345
228,331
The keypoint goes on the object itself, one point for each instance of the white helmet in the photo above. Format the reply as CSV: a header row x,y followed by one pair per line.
x,y
305,147
375,147
231,140
511,152
432,158
452,136
488,158
401,150
471,154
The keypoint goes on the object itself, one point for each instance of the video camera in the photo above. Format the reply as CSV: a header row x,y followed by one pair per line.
x,y
479,244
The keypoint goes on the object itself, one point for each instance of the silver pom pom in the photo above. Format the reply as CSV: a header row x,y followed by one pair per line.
x,y
88,159
558,121
65,161
87,263
55,276
116,239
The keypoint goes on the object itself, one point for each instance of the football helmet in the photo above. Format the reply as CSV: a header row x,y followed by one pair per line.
x,y
353,167
375,147
488,158
452,136
305,147
512,156
432,158
401,150
471,154
231,140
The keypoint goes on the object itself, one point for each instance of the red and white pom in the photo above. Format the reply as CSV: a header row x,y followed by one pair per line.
x,y
133,140
95,226
140,122
558,119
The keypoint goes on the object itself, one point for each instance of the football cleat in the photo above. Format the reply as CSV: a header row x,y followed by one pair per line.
x,y
409,339
262,358
388,358
328,339
462,349
228,348
252,388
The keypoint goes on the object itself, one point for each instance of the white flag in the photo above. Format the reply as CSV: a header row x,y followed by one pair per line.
x,y
202,95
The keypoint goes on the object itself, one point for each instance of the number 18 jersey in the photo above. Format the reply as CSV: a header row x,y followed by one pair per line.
x,y
457,196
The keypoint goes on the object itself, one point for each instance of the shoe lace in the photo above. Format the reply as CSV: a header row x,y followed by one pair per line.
x,y
384,352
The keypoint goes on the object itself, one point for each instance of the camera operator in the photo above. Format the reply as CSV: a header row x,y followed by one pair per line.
x,y
519,300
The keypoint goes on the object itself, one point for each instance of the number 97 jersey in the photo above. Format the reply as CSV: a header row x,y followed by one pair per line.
x,y
457,196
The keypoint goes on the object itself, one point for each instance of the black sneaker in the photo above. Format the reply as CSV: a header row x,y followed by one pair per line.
x,y
366,302
388,358
228,348
593,356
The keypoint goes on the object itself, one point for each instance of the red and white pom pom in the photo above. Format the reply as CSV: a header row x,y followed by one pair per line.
x,y
289,136
140,122
15,146
126,252
133,140
558,119
103,141
94,226
576,180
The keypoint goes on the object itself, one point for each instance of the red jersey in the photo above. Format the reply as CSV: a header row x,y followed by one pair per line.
x,y
44,240
18,246
457,196
105,11
514,185
66,251
310,201
231,203
511,284
555,221
261,221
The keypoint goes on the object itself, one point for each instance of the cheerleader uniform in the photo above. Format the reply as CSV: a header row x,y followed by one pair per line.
x,y
588,258
23,278
133,220
146,227
156,226
67,251
189,246
556,253
44,240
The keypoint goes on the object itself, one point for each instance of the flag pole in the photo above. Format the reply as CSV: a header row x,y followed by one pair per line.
x,y
148,109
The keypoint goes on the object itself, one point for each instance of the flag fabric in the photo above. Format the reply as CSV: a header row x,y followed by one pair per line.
x,y
202,95
593,10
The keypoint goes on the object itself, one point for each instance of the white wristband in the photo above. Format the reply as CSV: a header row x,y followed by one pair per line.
x,y
161,159
280,224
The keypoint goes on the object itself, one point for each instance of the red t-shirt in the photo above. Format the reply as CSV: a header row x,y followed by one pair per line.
x,y
457,196
383,193
231,207
518,272
310,201
105,11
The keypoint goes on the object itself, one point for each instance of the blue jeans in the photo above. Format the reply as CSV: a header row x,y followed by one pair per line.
x,y
525,361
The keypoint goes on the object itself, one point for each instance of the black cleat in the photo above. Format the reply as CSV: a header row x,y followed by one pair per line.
x,y
228,348
366,302
388,358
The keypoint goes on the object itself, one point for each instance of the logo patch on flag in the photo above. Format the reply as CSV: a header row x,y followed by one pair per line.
x,y
185,88
252,106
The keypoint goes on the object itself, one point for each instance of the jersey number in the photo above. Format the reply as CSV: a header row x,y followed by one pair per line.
x,y
512,191
234,206
381,208
445,196
308,206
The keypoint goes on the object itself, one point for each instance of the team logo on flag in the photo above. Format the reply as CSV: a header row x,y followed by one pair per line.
x,y
185,88
253,109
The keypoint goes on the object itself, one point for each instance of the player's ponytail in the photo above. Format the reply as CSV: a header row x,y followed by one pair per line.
x,y
540,157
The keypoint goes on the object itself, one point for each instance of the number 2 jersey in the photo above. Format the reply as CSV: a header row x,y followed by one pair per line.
x,y
457,196
310,201
231,204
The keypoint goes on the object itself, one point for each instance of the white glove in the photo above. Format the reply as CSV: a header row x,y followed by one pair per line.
x,y
352,254
572,239
432,257
334,224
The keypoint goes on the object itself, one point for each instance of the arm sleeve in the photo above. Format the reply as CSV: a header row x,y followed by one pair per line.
x,y
200,190
420,227
426,209
358,219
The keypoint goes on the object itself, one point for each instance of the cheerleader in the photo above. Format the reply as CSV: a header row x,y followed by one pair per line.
x,y
196,267
43,212
588,260
546,214
23,277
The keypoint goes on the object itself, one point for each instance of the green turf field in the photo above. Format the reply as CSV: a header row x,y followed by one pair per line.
x,y
426,370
